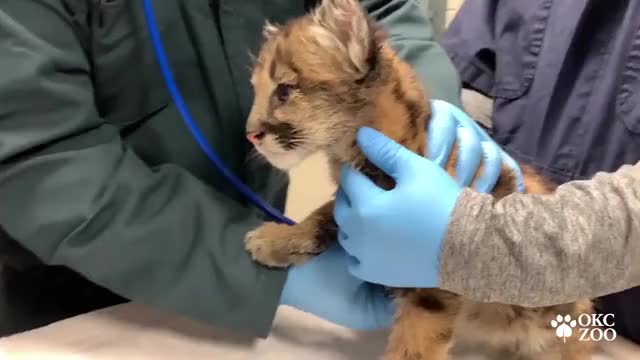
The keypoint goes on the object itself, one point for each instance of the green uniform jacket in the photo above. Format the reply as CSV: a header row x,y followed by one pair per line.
x,y
99,173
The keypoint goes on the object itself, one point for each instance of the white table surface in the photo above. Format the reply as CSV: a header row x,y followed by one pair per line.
x,y
136,332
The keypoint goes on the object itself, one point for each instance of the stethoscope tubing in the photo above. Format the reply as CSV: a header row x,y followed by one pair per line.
x,y
181,106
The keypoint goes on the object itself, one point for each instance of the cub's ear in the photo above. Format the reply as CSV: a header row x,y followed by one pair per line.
x,y
269,30
344,27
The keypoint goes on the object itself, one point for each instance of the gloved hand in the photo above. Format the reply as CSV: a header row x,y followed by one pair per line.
x,y
450,124
395,237
323,286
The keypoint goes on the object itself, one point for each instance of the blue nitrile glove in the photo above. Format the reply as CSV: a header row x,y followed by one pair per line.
x,y
394,237
324,287
450,124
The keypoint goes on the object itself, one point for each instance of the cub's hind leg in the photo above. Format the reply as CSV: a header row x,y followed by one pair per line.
x,y
574,349
577,350
571,350
423,329
281,245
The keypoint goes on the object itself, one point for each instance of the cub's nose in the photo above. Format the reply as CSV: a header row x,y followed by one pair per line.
x,y
255,136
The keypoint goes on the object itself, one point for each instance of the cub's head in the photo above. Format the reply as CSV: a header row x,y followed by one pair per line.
x,y
312,82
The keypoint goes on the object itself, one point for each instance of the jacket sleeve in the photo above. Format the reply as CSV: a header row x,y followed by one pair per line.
x,y
74,194
583,241
470,44
411,34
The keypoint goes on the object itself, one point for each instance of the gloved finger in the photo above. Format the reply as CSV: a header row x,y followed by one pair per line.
x,y
383,152
356,187
342,210
341,200
469,155
492,161
355,267
463,119
442,133
482,133
350,245
513,165
358,269
353,246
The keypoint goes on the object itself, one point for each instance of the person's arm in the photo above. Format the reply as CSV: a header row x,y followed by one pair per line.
x,y
531,250
411,36
581,241
74,194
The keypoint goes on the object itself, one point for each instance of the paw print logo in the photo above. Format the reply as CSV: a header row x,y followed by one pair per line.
x,y
563,326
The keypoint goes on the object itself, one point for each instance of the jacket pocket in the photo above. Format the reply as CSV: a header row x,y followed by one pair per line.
x,y
628,98
128,83
520,34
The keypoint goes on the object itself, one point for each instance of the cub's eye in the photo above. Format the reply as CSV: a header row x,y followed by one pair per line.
x,y
283,91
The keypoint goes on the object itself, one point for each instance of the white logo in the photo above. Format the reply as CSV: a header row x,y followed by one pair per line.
x,y
563,326
591,327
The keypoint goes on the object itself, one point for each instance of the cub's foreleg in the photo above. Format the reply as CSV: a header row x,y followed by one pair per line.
x,y
281,245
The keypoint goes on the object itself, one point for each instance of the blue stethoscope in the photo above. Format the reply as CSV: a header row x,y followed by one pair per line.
x,y
195,132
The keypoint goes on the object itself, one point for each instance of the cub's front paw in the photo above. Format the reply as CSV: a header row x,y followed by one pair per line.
x,y
278,245
269,245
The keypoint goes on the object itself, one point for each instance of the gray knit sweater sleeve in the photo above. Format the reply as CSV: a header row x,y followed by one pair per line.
x,y
530,250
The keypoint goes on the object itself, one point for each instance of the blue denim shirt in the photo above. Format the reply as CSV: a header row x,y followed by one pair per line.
x,y
565,79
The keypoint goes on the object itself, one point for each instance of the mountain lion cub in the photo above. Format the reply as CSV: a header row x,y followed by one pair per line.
x,y
317,79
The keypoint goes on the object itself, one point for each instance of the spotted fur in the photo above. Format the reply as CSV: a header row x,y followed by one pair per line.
x,y
317,79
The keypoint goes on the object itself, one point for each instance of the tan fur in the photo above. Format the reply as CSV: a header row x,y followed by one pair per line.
x,y
344,75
